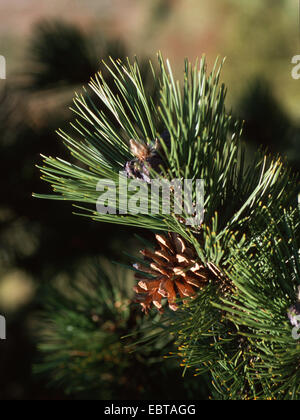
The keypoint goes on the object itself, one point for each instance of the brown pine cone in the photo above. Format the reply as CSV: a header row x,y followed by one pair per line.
x,y
176,272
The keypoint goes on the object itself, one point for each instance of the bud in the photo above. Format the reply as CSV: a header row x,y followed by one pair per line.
x,y
294,312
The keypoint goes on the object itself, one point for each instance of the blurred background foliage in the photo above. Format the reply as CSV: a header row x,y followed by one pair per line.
x,y
51,51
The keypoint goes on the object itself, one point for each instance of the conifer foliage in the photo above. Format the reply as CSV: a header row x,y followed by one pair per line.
x,y
228,288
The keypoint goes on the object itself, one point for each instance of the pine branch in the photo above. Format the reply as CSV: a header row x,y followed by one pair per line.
x,y
236,326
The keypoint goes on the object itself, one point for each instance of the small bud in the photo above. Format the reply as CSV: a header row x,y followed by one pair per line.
x,y
294,311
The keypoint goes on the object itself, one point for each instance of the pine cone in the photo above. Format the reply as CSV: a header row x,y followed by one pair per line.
x,y
146,157
176,272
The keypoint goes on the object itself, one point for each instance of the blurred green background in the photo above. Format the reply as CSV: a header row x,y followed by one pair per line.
x,y
52,48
